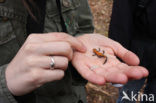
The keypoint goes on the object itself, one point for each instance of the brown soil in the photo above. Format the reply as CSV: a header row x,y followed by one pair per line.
x,y
101,11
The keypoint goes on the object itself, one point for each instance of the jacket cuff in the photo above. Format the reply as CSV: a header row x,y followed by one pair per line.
x,y
5,94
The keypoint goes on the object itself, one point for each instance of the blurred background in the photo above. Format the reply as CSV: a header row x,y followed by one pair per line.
x,y
101,10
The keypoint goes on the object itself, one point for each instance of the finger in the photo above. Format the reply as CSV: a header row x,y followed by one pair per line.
x,y
88,74
145,72
126,55
111,74
132,72
52,48
91,76
63,37
115,77
136,72
51,75
125,67
60,62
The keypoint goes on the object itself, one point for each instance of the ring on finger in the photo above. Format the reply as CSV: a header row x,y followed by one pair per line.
x,y
52,64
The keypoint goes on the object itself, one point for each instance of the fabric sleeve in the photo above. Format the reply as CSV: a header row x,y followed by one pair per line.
x,y
122,22
5,94
85,18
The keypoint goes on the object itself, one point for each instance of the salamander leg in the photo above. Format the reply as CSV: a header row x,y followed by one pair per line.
x,y
94,55
105,60
99,50
103,52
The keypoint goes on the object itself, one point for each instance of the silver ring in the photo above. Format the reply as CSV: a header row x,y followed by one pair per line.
x,y
52,64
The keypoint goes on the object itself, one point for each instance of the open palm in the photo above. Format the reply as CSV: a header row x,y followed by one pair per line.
x,y
107,67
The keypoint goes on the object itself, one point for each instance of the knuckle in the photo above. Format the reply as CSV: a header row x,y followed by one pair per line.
x,y
118,44
29,61
61,75
60,35
67,47
68,50
65,63
31,37
30,47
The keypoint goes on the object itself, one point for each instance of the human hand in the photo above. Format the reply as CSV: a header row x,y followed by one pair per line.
x,y
95,70
30,68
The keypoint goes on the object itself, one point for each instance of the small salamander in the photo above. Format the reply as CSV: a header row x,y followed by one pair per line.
x,y
99,54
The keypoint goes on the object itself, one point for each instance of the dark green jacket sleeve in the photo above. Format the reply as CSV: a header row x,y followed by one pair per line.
x,y
5,94
85,25
85,18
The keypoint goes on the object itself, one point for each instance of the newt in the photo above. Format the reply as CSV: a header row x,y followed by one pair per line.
x,y
99,54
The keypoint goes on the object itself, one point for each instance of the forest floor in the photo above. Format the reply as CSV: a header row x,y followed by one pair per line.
x,y
101,10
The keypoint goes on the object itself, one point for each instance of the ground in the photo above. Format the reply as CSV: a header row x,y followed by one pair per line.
x,y
101,12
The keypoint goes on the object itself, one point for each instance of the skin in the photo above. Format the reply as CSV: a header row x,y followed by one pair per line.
x,y
114,70
30,68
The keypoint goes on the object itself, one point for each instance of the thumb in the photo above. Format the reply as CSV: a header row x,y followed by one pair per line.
x,y
127,56
130,58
